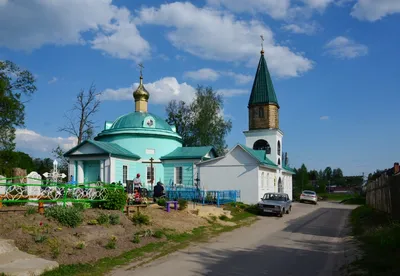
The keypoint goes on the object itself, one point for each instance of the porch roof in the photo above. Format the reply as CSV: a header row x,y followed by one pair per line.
x,y
110,148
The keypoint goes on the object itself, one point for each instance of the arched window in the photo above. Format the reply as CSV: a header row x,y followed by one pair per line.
x,y
262,145
279,148
280,186
279,161
261,112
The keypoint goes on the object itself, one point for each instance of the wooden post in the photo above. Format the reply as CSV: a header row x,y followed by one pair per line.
x,y
41,208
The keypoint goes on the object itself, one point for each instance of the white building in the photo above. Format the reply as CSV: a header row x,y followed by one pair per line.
x,y
258,166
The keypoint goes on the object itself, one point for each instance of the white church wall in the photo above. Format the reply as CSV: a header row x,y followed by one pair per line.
x,y
266,181
88,149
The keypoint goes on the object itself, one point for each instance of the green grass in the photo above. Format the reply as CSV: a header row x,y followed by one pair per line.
x,y
335,196
379,237
174,242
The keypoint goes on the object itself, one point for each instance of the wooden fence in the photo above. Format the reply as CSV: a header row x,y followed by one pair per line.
x,y
384,194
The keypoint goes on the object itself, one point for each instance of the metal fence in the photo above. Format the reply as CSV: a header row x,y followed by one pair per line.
x,y
53,192
384,194
201,196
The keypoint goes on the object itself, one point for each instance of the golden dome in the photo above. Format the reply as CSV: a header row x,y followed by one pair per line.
x,y
141,93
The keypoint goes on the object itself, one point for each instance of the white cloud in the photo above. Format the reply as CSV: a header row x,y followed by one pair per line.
x,y
373,10
343,48
217,35
202,74
318,4
161,91
324,117
232,92
302,28
213,75
53,80
32,141
32,24
275,8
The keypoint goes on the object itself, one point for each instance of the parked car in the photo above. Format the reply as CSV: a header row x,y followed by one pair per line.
x,y
275,203
309,196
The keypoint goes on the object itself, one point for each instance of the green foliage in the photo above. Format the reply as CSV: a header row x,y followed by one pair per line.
x,y
182,204
136,238
103,219
80,245
223,217
81,205
162,202
112,243
116,199
200,123
54,245
158,234
140,219
93,222
67,216
40,238
30,211
114,219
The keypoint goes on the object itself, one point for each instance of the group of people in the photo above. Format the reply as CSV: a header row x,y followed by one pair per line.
x,y
158,190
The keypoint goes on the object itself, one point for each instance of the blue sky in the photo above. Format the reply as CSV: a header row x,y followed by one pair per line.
x,y
335,67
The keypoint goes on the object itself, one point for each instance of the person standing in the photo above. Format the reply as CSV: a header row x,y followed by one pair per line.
x,y
137,183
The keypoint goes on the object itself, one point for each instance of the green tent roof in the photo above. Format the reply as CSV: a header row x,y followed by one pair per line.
x,y
188,153
108,147
263,91
260,155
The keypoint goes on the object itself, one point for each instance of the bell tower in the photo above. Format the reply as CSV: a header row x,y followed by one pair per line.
x,y
263,112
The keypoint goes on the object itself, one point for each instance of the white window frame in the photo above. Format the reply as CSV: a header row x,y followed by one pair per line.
x,y
148,181
123,174
176,176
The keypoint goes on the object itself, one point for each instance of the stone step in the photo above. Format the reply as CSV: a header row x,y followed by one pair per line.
x,y
7,246
14,262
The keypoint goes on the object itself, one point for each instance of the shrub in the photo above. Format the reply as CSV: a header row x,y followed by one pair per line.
x,y
139,219
30,211
40,238
112,243
82,205
114,219
136,238
103,219
93,222
162,202
67,216
116,199
158,234
223,217
182,204
80,245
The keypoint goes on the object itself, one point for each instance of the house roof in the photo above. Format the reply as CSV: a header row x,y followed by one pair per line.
x,y
260,155
289,169
108,147
188,153
263,91
136,119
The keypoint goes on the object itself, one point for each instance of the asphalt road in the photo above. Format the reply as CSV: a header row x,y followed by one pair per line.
x,y
308,241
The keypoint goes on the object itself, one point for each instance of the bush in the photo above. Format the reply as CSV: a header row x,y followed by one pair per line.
x,y
223,217
67,216
112,243
40,238
162,202
116,199
182,204
136,238
93,222
30,211
114,219
158,234
81,205
103,219
139,219
80,245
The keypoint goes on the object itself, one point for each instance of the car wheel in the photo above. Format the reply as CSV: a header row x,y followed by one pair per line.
x,y
289,210
281,213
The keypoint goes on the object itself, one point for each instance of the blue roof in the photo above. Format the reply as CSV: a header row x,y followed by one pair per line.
x,y
136,119
108,147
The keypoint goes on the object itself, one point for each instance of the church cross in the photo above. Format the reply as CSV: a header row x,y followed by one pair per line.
x,y
262,42
141,69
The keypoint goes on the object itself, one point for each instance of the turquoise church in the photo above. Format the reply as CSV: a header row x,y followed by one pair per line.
x,y
137,142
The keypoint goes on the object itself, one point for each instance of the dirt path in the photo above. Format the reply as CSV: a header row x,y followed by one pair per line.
x,y
309,241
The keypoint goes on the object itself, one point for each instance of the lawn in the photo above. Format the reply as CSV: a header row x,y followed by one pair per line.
x,y
379,237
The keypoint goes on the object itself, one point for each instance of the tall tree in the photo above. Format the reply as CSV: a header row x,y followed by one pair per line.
x,y
80,122
201,122
15,84
328,173
58,153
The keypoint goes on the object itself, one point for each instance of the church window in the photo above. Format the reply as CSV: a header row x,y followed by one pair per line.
x,y
279,147
178,175
262,145
261,112
124,174
255,113
150,174
279,161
